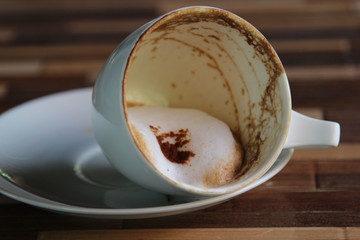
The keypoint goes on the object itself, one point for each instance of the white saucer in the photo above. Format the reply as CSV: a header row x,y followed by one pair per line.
x,y
49,159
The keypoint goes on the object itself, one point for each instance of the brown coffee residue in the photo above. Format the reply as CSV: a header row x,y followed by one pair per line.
x,y
214,36
134,104
212,64
225,172
174,152
263,51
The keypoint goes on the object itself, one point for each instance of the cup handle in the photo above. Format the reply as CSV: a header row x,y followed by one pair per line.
x,y
310,133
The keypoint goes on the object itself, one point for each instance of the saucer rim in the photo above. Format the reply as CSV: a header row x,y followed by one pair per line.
x,y
128,213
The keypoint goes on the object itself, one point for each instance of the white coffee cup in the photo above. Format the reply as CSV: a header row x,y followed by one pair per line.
x,y
212,60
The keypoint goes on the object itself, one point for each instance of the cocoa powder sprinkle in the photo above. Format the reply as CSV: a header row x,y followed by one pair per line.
x,y
174,152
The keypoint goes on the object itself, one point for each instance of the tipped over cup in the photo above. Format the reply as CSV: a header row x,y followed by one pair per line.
x,y
197,103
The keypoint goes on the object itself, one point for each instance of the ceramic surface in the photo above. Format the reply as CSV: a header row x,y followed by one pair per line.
x,y
211,60
49,158
197,57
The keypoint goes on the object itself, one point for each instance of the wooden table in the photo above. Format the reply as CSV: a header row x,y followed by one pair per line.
x,y
51,46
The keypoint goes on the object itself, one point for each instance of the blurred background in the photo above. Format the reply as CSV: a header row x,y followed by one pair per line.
x,y
50,46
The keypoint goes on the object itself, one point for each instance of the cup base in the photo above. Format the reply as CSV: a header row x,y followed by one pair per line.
x,y
93,167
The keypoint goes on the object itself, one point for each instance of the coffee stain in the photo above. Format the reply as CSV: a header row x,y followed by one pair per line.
x,y
214,37
225,171
231,58
134,104
274,69
174,150
268,104
191,30
263,51
213,64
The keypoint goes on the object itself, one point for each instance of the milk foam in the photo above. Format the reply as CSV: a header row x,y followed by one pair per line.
x,y
213,155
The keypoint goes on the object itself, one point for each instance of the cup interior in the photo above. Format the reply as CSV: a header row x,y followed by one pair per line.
x,y
214,61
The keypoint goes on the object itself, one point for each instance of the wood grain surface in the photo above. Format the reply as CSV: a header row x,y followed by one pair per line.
x,y
52,46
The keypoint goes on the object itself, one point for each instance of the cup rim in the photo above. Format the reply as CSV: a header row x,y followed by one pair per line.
x,y
236,186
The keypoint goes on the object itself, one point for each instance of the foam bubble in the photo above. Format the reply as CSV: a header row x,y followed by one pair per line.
x,y
186,145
